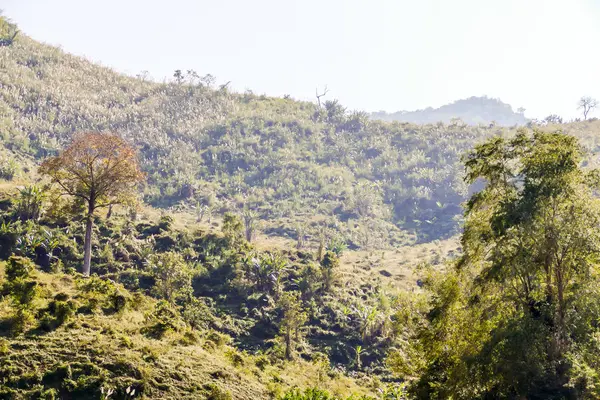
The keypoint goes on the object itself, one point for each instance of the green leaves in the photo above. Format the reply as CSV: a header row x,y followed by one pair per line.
x,y
505,320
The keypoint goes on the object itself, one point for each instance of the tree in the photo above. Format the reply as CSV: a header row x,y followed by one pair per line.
x,y
173,277
587,103
102,170
266,272
8,31
329,269
250,223
233,228
30,203
516,316
325,91
293,320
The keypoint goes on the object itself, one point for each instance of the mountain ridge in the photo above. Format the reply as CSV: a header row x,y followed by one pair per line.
x,y
474,110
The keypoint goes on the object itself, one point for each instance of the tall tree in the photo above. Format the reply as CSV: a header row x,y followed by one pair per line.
x,y
516,317
586,104
293,319
101,169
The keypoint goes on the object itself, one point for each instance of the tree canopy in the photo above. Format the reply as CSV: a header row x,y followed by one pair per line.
x,y
101,169
517,316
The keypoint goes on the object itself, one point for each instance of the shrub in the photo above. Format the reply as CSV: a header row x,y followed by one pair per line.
x,y
8,168
233,228
118,301
197,314
217,338
189,338
22,291
18,268
172,276
329,269
307,394
235,357
30,203
214,392
262,362
164,318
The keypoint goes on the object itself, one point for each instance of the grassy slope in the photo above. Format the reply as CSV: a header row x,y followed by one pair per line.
x,y
108,350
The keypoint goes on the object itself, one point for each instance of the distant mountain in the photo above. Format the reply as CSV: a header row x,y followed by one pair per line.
x,y
472,111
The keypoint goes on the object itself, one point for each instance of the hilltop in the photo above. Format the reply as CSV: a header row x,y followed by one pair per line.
x,y
472,111
298,167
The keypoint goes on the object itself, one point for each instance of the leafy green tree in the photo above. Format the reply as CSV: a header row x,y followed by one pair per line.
x,y
292,321
22,290
8,31
265,272
329,269
172,276
233,227
520,305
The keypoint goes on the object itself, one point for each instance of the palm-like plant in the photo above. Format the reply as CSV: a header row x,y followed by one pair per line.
x,y
266,272
30,203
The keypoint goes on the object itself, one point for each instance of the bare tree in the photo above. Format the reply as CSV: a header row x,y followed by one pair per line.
x,y
325,91
587,103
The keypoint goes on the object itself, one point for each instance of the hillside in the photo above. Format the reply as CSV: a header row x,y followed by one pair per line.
x,y
472,111
299,167
296,167
95,336
279,247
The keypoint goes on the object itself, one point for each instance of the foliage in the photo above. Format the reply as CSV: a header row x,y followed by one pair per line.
x,y
172,276
163,319
100,169
233,227
8,31
30,203
329,269
22,290
196,141
508,320
292,321
8,168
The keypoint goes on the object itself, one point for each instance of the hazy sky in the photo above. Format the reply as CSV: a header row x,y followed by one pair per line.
x,y
373,54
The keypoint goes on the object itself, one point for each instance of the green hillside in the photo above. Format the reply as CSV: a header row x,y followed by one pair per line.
x,y
298,166
378,184
288,250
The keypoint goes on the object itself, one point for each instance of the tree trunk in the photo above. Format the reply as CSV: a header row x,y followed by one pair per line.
x,y
288,344
87,244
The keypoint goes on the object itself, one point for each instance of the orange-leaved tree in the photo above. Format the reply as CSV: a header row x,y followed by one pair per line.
x,y
99,168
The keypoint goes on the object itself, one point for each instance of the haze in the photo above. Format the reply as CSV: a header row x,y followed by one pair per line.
x,y
373,55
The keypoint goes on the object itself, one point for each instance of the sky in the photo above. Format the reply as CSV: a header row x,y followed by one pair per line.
x,y
372,54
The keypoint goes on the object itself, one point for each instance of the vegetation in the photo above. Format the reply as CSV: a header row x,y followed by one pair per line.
x,y
256,263
515,317
587,104
101,170
285,162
